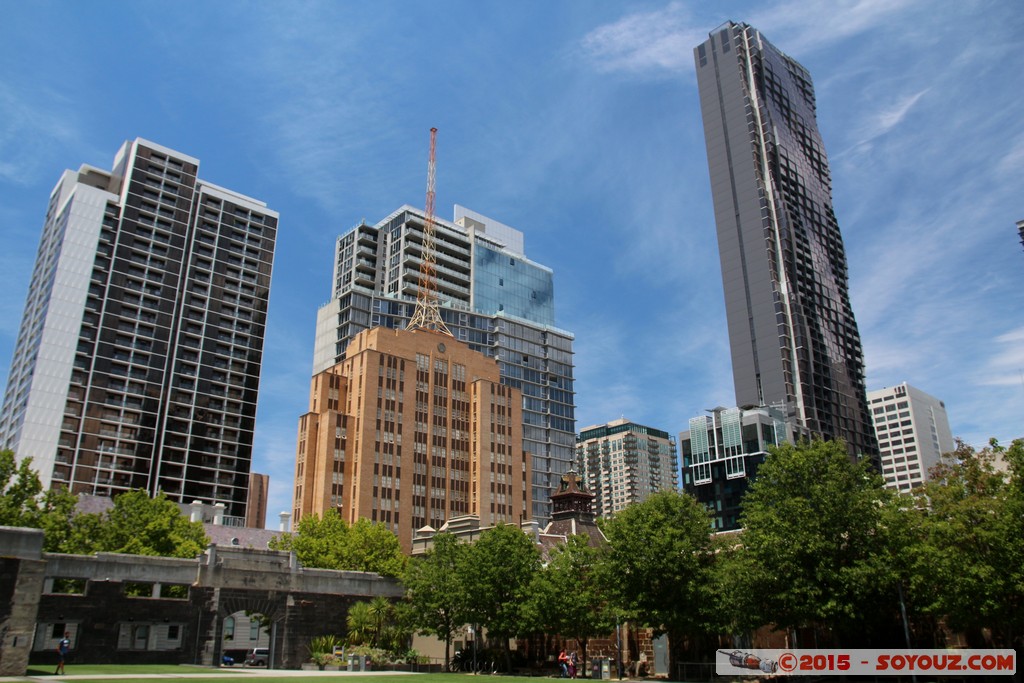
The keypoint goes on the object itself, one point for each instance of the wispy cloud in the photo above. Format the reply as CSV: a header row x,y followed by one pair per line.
x,y
802,26
660,41
1013,161
1005,364
34,124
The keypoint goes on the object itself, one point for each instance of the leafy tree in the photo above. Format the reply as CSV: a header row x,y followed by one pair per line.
x,y
328,542
497,573
24,503
657,565
567,596
969,561
435,591
817,543
373,548
139,525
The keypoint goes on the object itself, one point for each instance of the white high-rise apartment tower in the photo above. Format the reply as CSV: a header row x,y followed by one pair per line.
x,y
138,359
913,433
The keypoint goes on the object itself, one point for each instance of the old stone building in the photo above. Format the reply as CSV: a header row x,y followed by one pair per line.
x,y
133,610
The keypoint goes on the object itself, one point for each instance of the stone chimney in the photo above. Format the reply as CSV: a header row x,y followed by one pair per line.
x,y
286,521
196,507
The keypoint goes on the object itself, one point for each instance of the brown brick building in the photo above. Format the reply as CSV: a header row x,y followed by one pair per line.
x,y
410,429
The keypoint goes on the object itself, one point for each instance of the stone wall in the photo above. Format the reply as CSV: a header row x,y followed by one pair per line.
x,y
21,583
119,611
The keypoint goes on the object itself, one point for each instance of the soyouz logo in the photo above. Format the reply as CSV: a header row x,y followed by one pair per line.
x,y
891,662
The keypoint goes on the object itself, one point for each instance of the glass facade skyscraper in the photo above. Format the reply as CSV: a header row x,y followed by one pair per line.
x,y
792,333
491,296
138,359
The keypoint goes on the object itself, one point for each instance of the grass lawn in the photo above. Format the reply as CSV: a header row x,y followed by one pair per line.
x,y
126,673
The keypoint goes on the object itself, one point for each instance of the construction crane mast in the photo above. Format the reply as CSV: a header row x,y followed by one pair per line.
x,y
427,315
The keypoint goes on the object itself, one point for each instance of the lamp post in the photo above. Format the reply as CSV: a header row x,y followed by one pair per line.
x,y
618,647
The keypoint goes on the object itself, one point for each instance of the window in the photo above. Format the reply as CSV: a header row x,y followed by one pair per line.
x,y
229,628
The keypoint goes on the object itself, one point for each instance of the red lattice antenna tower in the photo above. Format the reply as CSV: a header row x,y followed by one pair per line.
x,y
427,315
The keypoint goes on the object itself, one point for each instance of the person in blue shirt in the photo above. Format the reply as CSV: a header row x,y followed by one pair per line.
x,y
62,652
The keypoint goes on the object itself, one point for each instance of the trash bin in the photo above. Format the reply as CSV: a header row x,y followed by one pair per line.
x,y
600,669
606,669
364,663
352,662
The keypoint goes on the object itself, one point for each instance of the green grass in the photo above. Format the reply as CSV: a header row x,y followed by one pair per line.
x,y
125,672
123,669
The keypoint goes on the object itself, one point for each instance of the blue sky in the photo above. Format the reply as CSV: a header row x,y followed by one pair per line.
x,y
576,122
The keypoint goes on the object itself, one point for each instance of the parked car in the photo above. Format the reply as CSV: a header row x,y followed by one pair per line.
x,y
258,656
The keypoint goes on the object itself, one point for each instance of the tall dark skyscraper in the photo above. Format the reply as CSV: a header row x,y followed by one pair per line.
x,y
138,358
792,333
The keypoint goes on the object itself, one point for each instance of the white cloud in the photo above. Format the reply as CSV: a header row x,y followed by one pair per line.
x,y
33,126
1013,161
802,26
658,41
1005,363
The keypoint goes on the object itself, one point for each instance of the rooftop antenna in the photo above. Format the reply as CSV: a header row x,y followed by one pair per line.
x,y
427,314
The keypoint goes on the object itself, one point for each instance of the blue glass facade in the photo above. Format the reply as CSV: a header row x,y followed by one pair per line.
x,y
503,283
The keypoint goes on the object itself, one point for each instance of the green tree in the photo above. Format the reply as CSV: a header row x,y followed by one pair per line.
x,y
817,544
435,591
379,624
567,596
139,525
328,542
24,503
657,565
969,561
497,574
373,548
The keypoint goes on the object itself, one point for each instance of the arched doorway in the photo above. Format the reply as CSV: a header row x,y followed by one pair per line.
x,y
248,630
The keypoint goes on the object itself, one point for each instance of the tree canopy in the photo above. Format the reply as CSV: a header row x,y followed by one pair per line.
x,y
498,571
436,592
968,554
24,503
567,596
657,566
815,541
328,542
139,525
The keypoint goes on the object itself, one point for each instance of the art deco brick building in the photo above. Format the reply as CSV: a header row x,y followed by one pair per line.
x,y
490,295
410,429
138,359
792,332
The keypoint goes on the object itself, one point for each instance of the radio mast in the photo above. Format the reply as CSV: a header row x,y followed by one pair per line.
x,y
427,315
